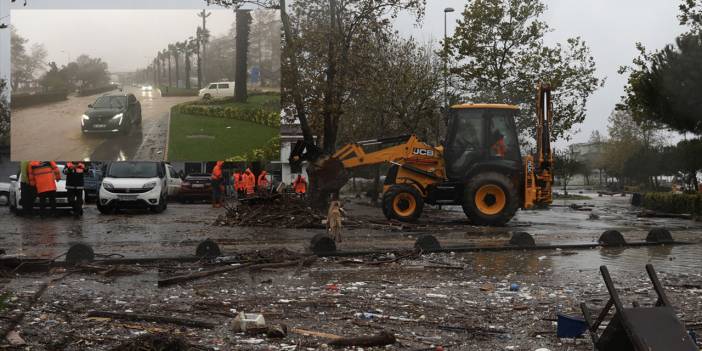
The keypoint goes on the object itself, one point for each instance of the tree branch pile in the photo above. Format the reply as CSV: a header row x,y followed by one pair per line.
x,y
278,212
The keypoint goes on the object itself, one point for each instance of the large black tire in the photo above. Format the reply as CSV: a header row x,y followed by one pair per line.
x,y
403,202
490,198
162,205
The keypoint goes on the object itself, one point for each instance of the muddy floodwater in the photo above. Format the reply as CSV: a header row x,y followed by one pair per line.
x,y
459,300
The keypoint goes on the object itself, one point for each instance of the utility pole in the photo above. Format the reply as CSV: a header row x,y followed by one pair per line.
x,y
204,14
438,125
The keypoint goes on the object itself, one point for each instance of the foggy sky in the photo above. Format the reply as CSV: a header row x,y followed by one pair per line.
x,y
610,28
125,39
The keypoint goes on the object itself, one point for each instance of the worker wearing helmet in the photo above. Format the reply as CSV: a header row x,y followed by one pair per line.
x,y
43,176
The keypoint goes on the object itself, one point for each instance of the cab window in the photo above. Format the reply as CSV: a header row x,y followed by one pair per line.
x,y
501,136
173,173
212,86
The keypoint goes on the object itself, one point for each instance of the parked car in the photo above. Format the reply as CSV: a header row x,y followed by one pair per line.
x,y
91,182
4,194
112,113
16,194
133,184
196,187
147,88
217,90
174,182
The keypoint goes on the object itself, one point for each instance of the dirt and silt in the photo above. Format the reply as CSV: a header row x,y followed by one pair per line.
x,y
459,301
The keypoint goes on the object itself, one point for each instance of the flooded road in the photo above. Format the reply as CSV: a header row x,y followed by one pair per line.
x,y
407,298
180,228
52,131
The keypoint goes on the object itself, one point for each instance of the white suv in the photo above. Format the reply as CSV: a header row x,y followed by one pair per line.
x,y
131,184
217,90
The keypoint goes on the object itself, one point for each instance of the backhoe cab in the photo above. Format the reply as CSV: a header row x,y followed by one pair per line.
x,y
479,167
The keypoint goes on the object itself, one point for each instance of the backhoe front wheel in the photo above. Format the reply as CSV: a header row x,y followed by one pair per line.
x,y
490,199
403,202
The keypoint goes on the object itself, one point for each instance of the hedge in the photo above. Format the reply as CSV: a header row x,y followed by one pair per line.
x,y
673,203
259,115
270,152
171,91
93,91
26,100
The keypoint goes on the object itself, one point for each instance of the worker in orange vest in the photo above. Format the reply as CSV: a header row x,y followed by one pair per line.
x,y
238,183
43,176
217,185
300,185
74,185
499,147
249,182
263,182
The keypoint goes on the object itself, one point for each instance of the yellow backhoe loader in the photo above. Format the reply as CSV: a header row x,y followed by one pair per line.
x,y
479,167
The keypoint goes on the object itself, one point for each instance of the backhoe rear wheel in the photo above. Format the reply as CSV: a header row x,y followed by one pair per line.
x,y
403,202
490,199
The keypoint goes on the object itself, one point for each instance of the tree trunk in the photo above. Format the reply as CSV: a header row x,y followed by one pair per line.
x,y
170,82
199,67
329,95
187,69
289,66
177,70
243,27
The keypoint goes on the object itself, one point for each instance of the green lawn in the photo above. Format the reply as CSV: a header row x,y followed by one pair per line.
x,y
198,138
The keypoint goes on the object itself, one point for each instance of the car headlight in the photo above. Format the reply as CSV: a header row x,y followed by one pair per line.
x,y
108,186
83,119
118,118
149,185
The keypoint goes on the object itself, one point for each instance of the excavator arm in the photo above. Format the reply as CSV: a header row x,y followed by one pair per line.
x,y
407,152
538,169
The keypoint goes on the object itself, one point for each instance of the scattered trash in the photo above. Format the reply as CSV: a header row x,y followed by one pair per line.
x,y
246,321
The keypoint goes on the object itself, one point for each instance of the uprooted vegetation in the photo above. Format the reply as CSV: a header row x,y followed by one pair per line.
x,y
281,211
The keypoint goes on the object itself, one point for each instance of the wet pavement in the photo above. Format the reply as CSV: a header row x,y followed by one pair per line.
x,y
57,126
462,309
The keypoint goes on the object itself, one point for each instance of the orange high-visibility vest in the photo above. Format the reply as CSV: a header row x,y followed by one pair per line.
x,y
263,181
249,181
300,185
217,171
500,148
43,176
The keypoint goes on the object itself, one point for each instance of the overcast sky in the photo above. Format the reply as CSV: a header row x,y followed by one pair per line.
x,y
611,29
125,39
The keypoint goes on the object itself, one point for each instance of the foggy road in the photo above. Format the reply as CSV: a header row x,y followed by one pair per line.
x,y
52,132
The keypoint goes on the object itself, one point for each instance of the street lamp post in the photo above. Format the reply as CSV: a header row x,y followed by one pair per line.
x,y
438,124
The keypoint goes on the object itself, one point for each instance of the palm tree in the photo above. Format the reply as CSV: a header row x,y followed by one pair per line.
x,y
203,38
170,52
190,47
164,57
156,69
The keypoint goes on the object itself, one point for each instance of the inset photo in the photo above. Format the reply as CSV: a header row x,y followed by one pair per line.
x,y
150,85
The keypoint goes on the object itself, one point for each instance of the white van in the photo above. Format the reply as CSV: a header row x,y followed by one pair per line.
x,y
217,90
132,184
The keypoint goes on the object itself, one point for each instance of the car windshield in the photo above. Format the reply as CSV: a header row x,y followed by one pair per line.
x,y
133,170
112,102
